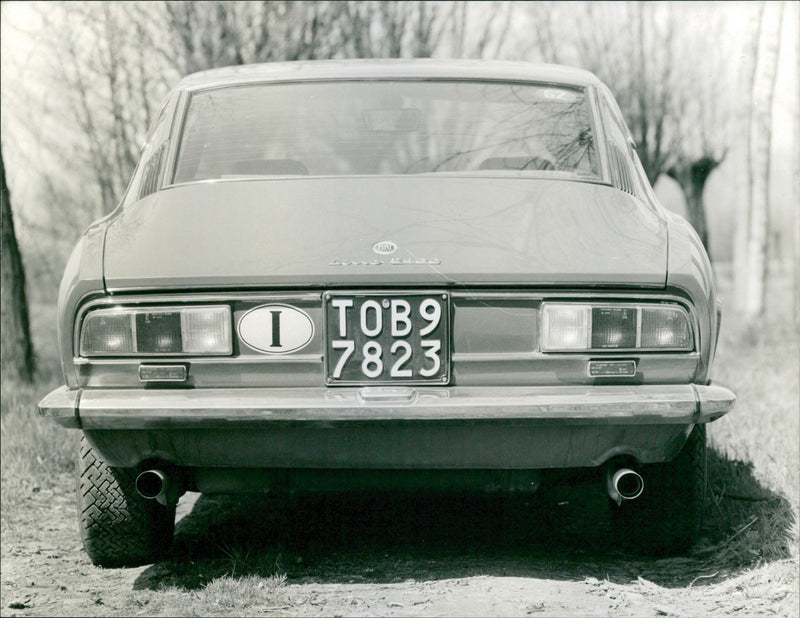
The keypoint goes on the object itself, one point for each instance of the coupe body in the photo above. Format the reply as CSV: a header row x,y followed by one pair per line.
x,y
342,275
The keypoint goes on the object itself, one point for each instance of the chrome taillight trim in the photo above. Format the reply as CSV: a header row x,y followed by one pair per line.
x,y
643,297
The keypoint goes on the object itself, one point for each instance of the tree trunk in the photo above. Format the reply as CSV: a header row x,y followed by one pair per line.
x,y
796,135
759,160
17,350
747,73
692,177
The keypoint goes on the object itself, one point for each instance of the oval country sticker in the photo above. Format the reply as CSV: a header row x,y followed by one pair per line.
x,y
276,329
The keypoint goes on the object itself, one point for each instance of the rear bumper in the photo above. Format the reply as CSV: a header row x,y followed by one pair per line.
x,y
455,427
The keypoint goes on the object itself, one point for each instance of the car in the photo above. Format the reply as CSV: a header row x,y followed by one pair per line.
x,y
420,275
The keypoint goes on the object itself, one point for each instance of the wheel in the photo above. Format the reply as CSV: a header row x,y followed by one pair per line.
x,y
118,527
667,518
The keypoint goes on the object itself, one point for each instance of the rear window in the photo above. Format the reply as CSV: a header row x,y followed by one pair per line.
x,y
385,127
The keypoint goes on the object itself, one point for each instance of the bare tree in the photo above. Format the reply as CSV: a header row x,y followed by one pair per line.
x,y
391,28
108,81
205,35
796,135
489,38
17,349
544,40
673,104
422,29
113,62
751,284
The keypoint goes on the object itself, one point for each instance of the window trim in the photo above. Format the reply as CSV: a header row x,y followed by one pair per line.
x,y
182,108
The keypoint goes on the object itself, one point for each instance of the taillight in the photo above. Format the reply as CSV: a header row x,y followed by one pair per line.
x,y
168,331
665,327
566,327
613,327
571,327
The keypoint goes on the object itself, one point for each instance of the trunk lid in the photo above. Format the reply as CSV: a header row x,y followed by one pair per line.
x,y
448,230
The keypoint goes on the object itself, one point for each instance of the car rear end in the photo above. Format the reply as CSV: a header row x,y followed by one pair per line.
x,y
262,323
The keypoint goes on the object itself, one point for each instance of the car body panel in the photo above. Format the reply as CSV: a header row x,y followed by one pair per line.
x,y
449,231
82,279
690,270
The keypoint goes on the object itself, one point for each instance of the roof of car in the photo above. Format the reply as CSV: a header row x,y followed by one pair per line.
x,y
390,69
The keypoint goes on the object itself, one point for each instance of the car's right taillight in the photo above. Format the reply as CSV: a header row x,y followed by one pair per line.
x,y
575,327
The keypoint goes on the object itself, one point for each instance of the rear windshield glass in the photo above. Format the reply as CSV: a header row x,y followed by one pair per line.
x,y
385,127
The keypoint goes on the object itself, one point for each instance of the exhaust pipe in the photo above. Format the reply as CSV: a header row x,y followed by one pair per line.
x,y
624,484
156,485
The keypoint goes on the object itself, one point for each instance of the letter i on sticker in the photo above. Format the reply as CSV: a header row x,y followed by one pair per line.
x,y
276,329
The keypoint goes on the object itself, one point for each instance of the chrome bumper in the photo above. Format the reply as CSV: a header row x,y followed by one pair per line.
x,y
618,405
388,428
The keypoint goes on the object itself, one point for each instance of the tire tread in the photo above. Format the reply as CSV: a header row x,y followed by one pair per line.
x,y
668,517
118,527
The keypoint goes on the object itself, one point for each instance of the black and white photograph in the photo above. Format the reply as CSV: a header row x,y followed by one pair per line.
x,y
400,308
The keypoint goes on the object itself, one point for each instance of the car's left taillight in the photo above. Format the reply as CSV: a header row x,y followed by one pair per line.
x,y
157,331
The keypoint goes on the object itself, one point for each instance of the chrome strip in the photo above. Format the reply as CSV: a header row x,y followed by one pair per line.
x,y
175,137
479,357
98,361
134,334
137,408
537,297
638,327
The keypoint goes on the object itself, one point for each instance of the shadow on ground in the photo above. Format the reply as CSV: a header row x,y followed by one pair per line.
x,y
560,533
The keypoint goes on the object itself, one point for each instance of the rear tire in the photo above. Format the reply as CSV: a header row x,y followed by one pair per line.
x,y
666,519
118,527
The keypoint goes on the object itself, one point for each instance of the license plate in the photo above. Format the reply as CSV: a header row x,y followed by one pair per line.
x,y
391,338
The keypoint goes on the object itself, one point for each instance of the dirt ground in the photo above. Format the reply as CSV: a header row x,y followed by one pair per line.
x,y
374,555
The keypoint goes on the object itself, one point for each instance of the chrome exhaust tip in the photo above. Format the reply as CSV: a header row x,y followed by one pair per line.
x,y
624,484
153,485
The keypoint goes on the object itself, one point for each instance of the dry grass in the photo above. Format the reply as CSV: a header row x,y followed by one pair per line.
x,y
227,595
760,439
35,453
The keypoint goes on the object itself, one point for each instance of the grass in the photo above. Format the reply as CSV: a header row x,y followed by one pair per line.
x,y
751,530
35,454
757,476
225,595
